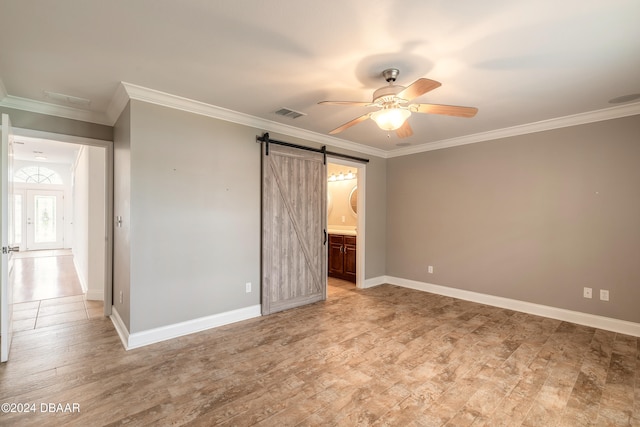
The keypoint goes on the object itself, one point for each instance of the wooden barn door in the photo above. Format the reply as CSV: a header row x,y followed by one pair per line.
x,y
293,227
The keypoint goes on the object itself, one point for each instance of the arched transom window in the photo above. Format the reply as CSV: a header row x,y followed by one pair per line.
x,y
37,175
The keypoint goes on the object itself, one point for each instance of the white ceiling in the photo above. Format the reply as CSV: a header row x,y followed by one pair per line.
x,y
518,62
28,148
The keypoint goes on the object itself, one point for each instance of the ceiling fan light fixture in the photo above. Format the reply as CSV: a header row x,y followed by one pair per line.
x,y
390,118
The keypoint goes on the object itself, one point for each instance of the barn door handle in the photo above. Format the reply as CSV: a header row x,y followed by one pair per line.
x,y
325,237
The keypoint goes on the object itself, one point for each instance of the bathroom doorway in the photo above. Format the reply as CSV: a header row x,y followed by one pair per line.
x,y
345,221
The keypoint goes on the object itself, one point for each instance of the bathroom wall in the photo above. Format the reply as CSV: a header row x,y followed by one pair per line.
x,y
339,211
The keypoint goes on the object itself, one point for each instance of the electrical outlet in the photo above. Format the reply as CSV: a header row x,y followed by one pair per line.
x,y
430,269
587,293
247,287
604,295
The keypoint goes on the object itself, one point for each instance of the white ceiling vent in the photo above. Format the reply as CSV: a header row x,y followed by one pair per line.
x,y
288,112
67,99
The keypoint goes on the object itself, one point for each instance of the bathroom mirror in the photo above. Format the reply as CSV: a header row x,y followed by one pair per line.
x,y
353,201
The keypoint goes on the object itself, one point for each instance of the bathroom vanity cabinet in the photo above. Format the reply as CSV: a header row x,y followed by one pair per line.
x,y
342,257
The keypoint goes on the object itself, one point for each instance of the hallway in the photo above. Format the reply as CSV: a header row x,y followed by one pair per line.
x,y
47,291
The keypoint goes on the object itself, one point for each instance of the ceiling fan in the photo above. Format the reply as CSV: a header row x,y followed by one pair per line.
x,y
393,105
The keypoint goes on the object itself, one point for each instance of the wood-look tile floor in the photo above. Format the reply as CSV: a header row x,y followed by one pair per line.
x,y
40,275
380,356
47,291
54,311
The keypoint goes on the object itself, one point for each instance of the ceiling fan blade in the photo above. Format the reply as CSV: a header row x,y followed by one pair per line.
x,y
362,104
405,130
417,88
349,124
448,110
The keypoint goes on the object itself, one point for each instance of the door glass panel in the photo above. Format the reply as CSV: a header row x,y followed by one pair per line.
x,y
45,219
17,219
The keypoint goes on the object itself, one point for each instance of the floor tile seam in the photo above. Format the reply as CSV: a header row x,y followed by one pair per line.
x,y
37,313
55,313
450,388
343,400
66,297
63,313
495,408
530,360
397,404
32,394
214,408
355,387
564,404
241,414
38,334
21,378
61,324
86,309
592,405
532,399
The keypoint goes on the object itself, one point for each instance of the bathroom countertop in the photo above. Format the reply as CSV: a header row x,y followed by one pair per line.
x,y
344,232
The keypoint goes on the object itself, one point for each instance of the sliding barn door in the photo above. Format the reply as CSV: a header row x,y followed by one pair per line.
x,y
293,228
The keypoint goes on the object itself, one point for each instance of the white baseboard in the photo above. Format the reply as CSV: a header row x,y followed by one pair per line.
x,y
592,320
81,278
152,336
121,328
375,281
95,295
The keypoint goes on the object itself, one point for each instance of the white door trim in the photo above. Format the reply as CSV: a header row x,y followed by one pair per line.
x,y
6,237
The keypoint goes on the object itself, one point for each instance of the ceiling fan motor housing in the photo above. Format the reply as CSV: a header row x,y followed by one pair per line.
x,y
387,94
390,74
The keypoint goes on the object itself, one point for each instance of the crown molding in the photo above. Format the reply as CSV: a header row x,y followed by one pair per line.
x,y
63,111
557,123
40,107
3,91
126,91
118,102
177,102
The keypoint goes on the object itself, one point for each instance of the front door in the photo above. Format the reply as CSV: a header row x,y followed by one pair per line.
x,y
45,217
293,228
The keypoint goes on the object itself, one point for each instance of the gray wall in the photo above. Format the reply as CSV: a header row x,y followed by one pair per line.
x,y
534,217
122,208
195,216
376,218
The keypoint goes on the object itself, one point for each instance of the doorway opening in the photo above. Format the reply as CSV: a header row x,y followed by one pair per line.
x,y
61,206
346,222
